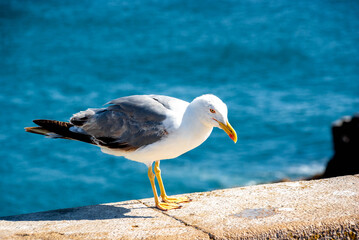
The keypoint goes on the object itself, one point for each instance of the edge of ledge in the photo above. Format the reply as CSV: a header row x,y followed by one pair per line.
x,y
315,208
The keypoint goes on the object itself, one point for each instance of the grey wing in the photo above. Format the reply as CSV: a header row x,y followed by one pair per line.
x,y
149,100
128,123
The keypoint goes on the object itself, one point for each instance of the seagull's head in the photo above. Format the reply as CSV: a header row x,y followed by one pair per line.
x,y
213,113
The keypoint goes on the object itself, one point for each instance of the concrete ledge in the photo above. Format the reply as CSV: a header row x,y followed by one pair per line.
x,y
320,209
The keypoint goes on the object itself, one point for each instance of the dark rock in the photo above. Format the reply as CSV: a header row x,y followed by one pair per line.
x,y
345,161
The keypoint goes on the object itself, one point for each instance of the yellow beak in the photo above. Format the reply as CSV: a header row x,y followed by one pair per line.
x,y
229,130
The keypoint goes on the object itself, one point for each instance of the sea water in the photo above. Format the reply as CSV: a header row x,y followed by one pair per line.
x,y
286,70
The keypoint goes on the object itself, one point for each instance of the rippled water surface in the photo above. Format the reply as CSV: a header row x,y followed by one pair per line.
x,y
286,70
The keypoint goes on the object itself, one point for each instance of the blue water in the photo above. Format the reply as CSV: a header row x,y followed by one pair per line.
x,y
286,70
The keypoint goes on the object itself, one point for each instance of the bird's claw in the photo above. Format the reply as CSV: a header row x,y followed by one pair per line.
x,y
175,199
167,206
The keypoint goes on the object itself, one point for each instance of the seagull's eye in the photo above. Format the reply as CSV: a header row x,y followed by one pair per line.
x,y
212,110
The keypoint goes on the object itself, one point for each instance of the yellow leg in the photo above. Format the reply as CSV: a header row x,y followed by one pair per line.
x,y
164,196
161,206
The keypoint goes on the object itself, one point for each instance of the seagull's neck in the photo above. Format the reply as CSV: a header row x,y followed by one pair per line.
x,y
192,130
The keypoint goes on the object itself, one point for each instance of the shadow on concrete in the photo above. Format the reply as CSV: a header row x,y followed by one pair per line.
x,y
95,212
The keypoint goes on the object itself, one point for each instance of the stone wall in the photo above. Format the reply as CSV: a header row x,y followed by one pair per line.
x,y
317,209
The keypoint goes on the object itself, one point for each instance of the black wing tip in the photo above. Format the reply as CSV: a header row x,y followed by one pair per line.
x,y
46,123
37,130
39,121
61,129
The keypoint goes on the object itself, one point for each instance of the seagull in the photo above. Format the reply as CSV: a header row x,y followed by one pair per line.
x,y
147,129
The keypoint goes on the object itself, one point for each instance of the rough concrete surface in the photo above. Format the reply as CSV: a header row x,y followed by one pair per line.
x,y
320,209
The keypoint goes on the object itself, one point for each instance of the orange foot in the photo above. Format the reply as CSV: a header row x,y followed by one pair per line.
x,y
167,206
167,199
